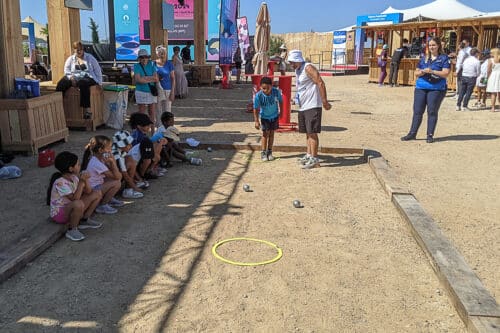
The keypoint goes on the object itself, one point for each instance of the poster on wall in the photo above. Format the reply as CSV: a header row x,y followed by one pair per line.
x,y
243,35
126,29
228,33
144,19
183,20
29,47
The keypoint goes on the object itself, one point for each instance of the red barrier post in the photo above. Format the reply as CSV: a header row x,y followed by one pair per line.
x,y
270,67
225,76
285,84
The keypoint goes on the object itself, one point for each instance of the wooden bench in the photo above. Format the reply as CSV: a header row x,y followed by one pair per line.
x,y
75,114
28,124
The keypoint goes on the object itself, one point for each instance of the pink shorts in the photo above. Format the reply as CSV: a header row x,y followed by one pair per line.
x,y
60,217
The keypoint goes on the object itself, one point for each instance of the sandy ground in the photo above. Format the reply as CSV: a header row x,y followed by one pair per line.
x,y
349,262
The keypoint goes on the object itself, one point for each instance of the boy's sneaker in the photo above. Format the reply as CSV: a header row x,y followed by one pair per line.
x,y
190,153
106,209
89,224
303,160
263,156
116,203
142,184
270,156
129,193
162,170
196,161
311,163
75,235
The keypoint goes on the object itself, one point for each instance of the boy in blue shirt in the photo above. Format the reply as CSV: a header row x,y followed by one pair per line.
x,y
265,107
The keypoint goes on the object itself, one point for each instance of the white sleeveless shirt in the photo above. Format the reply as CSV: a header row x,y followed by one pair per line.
x,y
308,94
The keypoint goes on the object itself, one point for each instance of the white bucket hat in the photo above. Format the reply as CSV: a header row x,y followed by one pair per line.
x,y
295,56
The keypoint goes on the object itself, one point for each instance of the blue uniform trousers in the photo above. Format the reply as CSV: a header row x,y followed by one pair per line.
x,y
432,100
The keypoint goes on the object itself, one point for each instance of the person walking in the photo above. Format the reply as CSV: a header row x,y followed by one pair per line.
x,y
430,89
311,97
399,53
382,63
463,53
493,86
471,69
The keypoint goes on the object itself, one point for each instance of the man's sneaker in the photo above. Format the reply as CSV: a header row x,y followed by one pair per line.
x,y
270,156
106,209
263,156
142,184
74,235
129,193
116,203
304,159
195,161
313,162
89,224
458,108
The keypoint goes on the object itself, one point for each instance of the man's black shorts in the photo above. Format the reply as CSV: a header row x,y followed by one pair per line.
x,y
310,121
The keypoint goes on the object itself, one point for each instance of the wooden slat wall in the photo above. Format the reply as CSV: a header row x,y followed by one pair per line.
x,y
11,50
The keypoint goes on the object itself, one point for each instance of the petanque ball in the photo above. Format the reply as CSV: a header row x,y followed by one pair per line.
x,y
209,149
246,188
296,204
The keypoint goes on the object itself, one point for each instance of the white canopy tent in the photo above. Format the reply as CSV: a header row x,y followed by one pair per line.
x,y
437,10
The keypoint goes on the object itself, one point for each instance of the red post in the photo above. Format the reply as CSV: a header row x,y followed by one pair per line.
x,y
270,68
255,84
225,76
285,84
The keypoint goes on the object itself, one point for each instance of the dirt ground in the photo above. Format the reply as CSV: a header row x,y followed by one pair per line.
x,y
349,262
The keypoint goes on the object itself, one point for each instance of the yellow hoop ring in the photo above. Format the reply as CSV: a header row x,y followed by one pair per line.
x,y
238,263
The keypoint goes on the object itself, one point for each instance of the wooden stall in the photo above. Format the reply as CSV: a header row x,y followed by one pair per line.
x,y
202,74
482,32
28,124
75,114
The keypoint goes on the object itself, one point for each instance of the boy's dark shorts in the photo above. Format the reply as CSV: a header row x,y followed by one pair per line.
x,y
310,121
269,124
147,150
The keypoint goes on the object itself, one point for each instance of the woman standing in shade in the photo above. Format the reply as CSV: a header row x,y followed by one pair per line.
x,y
181,83
145,84
430,89
166,88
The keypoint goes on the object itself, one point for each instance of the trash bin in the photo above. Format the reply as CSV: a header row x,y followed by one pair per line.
x,y
115,105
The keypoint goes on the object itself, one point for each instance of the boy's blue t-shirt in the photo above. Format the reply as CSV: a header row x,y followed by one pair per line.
x,y
138,136
164,73
429,81
268,104
148,70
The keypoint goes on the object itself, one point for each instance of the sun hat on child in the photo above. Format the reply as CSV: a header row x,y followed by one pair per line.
x,y
122,139
385,47
171,133
295,56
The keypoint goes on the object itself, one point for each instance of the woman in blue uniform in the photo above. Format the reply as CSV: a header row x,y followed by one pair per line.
x,y
430,89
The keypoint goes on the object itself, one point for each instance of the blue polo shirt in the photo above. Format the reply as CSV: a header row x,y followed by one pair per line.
x,y
432,82
268,104
164,74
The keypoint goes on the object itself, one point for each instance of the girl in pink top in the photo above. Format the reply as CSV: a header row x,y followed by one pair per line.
x,y
70,196
99,162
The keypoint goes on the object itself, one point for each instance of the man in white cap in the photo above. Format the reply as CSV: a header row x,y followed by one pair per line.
x,y
311,97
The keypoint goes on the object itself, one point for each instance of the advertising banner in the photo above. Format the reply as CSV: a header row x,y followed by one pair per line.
x,y
144,19
339,47
31,56
126,29
228,31
213,26
243,36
